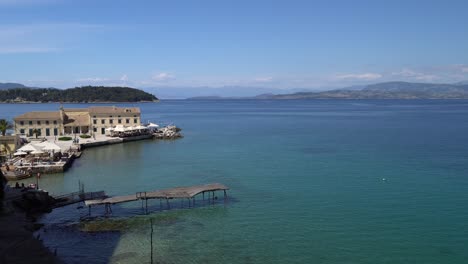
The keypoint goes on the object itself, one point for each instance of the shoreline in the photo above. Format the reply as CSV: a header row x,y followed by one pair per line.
x,y
94,102
17,242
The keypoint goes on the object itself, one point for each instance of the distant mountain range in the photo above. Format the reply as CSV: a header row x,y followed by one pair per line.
x,y
387,90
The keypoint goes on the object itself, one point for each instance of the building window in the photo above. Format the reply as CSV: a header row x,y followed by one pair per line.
x,y
103,121
22,131
127,121
22,123
30,123
111,121
110,116
103,131
94,121
120,121
47,122
118,116
135,120
55,132
47,131
38,122
94,116
30,132
55,122
95,129
134,115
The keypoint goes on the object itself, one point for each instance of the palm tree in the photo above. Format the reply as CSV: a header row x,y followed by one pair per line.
x,y
4,126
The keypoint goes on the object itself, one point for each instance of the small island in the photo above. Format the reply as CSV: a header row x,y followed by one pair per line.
x,y
85,94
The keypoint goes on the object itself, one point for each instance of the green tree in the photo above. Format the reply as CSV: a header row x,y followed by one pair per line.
x,y
4,126
36,132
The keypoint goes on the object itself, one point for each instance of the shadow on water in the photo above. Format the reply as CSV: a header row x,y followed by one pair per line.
x,y
75,246
95,238
140,207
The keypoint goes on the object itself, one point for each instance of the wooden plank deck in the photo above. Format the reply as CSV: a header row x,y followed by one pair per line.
x,y
77,197
173,193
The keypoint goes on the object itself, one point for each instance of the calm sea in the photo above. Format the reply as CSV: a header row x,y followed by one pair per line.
x,y
311,182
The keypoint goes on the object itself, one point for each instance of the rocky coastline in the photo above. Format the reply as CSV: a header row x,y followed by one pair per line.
x,y
19,210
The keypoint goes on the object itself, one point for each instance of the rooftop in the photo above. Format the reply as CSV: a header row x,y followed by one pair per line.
x,y
54,115
113,110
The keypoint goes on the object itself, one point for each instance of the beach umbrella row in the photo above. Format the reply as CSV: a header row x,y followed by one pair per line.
x,y
37,149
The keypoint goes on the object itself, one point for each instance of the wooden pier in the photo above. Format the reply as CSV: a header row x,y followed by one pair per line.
x,y
188,193
77,197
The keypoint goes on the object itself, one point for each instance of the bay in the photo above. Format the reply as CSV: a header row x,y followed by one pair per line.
x,y
319,181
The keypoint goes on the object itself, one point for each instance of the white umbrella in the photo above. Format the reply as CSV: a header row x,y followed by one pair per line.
x,y
20,153
37,152
27,148
153,125
49,146
119,128
141,127
110,129
129,128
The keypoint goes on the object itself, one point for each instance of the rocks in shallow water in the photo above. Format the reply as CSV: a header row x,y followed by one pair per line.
x,y
35,201
169,132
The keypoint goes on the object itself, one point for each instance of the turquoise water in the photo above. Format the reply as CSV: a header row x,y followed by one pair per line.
x,y
311,182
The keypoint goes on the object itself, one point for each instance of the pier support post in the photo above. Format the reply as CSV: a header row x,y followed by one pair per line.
x,y
203,193
167,202
146,201
89,210
225,196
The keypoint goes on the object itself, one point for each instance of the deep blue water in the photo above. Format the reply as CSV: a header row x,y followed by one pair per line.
x,y
317,181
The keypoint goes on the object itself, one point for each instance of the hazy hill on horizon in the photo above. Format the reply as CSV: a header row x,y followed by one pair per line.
x,y
85,94
5,86
389,90
385,90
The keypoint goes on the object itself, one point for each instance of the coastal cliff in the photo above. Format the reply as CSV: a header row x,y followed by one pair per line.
x,y
17,242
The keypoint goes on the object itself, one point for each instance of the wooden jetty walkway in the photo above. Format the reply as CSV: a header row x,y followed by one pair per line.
x,y
167,194
76,197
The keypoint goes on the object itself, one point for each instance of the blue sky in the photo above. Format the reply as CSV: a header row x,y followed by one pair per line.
x,y
274,44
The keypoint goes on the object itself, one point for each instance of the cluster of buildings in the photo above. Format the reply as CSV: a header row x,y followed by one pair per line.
x,y
93,120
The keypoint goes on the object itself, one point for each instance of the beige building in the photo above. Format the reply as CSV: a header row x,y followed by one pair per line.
x,y
9,144
69,121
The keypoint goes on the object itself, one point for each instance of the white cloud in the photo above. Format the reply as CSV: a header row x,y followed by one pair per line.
x,y
418,76
464,69
92,80
124,78
14,50
42,38
362,76
263,79
162,77
25,2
